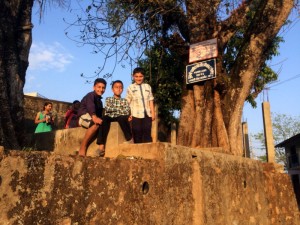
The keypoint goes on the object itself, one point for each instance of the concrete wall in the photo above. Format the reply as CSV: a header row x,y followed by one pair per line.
x,y
67,141
143,184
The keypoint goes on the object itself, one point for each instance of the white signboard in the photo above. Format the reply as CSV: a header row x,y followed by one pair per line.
x,y
201,71
203,50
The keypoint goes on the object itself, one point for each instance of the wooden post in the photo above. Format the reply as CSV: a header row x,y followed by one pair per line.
x,y
173,134
154,130
246,145
268,132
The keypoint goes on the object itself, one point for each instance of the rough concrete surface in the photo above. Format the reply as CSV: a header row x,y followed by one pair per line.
x,y
159,184
67,141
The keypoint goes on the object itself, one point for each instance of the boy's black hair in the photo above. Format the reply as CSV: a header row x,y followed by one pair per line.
x,y
116,81
138,70
76,101
100,80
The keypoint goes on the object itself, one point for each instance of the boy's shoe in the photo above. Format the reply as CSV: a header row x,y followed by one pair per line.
x,y
128,142
102,153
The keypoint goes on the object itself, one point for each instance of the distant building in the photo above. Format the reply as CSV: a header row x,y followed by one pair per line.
x,y
35,94
292,151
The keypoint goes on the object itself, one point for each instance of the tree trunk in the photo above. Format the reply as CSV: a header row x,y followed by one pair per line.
x,y
15,42
212,110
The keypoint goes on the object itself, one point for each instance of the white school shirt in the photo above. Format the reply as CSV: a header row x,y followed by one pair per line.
x,y
135,98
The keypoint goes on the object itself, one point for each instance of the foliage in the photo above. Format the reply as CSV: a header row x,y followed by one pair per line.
x,y
115,27
265,75
284,126
165,78
246,37
262,158
167,70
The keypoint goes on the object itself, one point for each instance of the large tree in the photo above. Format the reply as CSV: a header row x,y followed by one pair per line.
x,y
210,111
15,42
217,105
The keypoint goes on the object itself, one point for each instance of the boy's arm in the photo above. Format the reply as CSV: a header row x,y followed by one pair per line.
x,y
126,108
151,103
128,95
90,104
68,114
91,109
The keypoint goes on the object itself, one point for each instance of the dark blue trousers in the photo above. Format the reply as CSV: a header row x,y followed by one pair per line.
x,y
141,129
105,126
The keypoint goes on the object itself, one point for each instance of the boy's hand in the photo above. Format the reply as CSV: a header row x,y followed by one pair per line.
x,y
129,118
96,120
100,121
153,117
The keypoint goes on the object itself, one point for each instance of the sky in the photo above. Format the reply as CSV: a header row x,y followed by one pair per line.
x,y
56,62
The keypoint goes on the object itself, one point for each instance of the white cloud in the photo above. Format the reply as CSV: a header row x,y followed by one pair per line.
x,y
30,78
49,57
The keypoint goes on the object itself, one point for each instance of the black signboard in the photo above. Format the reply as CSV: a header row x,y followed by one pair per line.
x,y
201,71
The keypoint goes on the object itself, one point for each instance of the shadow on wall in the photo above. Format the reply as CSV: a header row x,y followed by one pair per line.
x,y
296,185
40,141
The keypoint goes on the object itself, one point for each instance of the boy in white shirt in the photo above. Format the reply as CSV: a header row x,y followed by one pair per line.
x,y
141,101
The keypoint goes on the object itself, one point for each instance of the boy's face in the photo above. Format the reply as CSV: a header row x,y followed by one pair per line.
x,y
138,78
99,88
117,89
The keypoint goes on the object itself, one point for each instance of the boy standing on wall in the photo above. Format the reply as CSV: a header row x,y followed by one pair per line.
x,y
90,116
141,101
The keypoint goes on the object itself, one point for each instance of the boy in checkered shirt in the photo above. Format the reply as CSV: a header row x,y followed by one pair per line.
x,y
117,109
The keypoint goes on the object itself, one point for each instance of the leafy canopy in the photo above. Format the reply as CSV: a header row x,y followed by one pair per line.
x,y
153,34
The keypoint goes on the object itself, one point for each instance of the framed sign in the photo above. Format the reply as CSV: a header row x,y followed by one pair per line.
x,y
204,70
203,50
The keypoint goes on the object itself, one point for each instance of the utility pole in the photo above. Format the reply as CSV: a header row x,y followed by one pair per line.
x,y
269,141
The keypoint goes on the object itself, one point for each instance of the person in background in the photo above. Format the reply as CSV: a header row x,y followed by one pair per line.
x,y
117,109
141,101
71,119
90,116
44,119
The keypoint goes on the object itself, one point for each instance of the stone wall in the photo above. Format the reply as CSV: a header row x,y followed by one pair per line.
x,y
150,183
67,141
